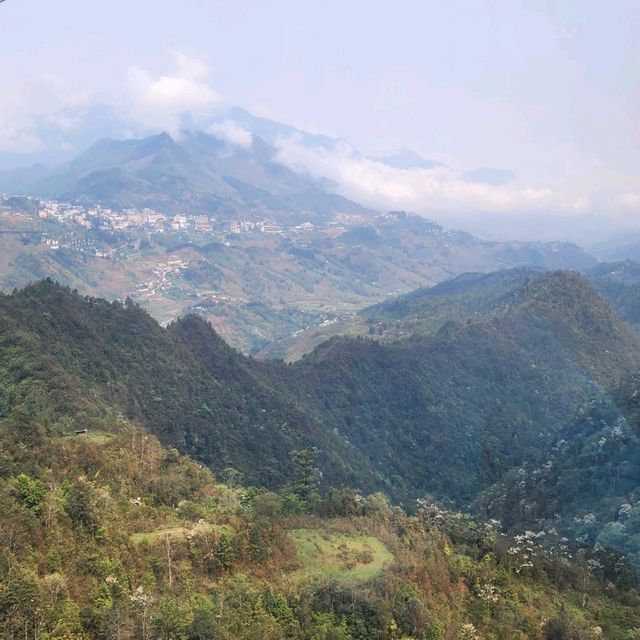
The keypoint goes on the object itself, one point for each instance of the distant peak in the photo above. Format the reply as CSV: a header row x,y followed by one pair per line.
x,y
406,159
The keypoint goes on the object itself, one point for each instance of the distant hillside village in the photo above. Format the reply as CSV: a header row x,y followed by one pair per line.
x,y
74,218
132,218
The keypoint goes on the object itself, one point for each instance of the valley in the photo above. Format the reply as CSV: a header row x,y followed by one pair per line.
x,y
256,281
323,364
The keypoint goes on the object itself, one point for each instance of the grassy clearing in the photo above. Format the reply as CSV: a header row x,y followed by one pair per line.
x,y
178,532
95,437
340,556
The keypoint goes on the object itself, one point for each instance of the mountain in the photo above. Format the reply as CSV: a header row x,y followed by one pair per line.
x,y
619,282
257,281
426,309
477,395
110,532
272,131
196,172
583,485
407,160
61,142
198,394
420,312
464,414
625,245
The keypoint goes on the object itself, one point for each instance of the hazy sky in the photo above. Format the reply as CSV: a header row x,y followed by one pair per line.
x,y
549,90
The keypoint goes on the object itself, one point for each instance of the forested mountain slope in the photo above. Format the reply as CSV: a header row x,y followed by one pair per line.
x,y
619,282
110,535
447,414
451,412
420,312
63,355
426,309
585,485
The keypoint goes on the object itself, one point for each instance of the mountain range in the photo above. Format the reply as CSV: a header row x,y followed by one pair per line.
x,y
515,399
426,309
196,173
485,393
256,287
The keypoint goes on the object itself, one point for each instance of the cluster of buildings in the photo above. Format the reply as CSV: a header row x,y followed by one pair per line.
x,y
64,212
165,273
151,220
247,226
110,220
105,218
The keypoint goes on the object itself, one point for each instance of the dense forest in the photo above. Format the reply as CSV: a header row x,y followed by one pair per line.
x,y
281,523
475,400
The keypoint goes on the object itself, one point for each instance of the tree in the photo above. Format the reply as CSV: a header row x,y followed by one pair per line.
x,y
225,554
306,476
173,619
20,601
32,493
79,507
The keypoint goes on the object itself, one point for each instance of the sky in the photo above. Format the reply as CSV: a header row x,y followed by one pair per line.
x,y
547,90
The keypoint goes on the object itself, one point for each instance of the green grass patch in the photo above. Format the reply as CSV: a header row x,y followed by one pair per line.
x,y
95,437
348,558
178,532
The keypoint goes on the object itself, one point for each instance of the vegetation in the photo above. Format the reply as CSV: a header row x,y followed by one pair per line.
x,y
343,557
426,310
421,312
581,492
258,288
114,533
231,562
477,399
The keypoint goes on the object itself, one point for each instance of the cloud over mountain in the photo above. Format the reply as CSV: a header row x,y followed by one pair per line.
x,y
232,133
162,103
425,190
52,118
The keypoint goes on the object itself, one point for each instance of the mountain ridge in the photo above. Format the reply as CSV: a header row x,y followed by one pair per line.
x,y
182,174
556,336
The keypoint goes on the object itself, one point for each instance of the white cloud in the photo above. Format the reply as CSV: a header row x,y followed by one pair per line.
x,y
182,97
163,102
628,201
230,132
425,191
37,103
16,133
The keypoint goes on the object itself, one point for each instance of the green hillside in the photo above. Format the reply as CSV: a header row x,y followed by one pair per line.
x,y
65,354
110,535
420,312
452,412
447,414
256,288
585,485
426,309
619,282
